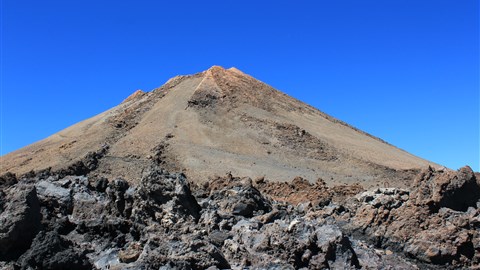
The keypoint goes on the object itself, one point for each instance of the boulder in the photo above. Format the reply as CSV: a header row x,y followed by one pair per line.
x,y
161,195
435,223
456,190
290,244
54,196
241,198
49,250
19,220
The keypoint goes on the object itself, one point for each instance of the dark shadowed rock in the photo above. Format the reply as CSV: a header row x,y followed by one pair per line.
x,y
51,251
243,209
8,179
218,237
19,220
101,184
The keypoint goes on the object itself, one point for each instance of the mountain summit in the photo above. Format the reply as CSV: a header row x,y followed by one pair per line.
x,y
216,122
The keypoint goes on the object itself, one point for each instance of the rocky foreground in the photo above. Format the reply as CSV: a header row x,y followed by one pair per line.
x,y
52,220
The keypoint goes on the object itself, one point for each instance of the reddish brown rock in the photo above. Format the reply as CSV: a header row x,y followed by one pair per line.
x,y
437,223
456,190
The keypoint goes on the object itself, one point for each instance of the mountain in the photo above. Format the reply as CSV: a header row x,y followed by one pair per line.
x,y
164,181
220,121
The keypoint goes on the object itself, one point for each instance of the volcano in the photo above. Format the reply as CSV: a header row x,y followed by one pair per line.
x,y
218,170
216,122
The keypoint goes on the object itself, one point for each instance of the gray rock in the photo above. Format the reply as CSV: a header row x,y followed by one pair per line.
x,y
243,209
19,221
48,191
218,237
242,199
164,195
88,208
107,259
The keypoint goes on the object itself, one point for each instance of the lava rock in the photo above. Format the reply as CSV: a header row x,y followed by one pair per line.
x,y
101,184
49,250
8,179
130,254
54,196
243,209
433,223
241,199
455,190
218,237
168,195
158,224
19,221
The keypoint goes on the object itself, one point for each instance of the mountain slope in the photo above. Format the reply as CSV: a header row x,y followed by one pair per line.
x,y
220,121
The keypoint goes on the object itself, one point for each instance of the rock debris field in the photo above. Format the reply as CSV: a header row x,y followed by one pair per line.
x,y
50,220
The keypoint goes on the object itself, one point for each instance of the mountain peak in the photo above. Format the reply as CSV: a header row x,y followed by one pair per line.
x,y
218,69
214,69
218,121
134,95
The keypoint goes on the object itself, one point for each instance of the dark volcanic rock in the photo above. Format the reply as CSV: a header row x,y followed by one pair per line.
x,y
8,179
164,195
51,251
158,224
19,220
101,184
55,197
86,165
243,209
190,253
239,197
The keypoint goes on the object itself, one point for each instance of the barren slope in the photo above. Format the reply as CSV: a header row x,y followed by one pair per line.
x,y
221,121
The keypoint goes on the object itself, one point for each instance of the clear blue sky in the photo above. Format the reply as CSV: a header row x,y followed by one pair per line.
x,y
405,71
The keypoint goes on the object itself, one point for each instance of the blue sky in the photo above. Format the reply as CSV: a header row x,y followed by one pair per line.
x,y
405,71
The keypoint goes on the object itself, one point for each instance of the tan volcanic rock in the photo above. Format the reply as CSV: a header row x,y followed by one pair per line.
x,y
137,94
220,121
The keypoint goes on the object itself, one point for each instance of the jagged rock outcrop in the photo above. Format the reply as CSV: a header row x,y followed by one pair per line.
x,y
90,223
436,222
19,219
455,190
50,250
165,197
239,197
